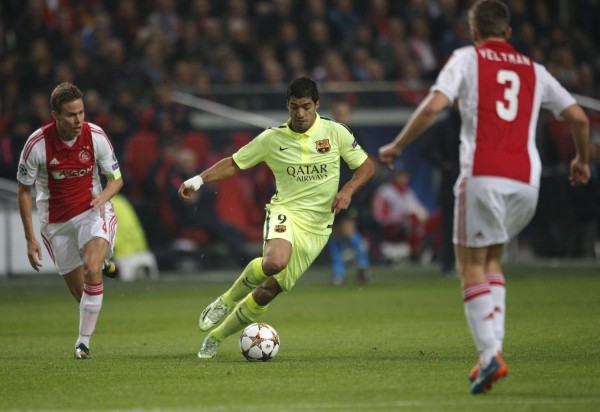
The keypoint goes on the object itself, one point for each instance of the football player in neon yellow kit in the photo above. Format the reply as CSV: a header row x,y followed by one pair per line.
x,y
304,156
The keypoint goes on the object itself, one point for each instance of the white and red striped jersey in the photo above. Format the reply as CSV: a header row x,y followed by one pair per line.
x,y
64,172
500,93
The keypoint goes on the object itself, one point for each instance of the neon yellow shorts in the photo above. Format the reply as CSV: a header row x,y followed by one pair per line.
x,y
306,246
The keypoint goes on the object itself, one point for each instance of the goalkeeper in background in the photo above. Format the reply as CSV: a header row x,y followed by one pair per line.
x,y
304,156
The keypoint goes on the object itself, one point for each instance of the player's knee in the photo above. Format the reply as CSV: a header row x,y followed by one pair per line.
x,y
274,265
92,271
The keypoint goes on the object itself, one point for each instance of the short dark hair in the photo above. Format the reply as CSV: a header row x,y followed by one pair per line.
x,y
490,18
303,87
63,93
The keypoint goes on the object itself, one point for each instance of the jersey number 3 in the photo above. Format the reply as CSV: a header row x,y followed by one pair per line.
x,y
507,109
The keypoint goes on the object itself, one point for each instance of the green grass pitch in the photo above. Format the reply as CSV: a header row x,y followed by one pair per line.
x,y
400,343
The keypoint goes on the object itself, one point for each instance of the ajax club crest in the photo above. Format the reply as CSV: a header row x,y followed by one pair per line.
x,y
323,146
84,155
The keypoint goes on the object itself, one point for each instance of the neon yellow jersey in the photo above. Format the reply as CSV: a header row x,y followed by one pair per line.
x,y
306,167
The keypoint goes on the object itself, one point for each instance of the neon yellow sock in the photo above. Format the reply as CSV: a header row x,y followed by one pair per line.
x,y
245,313
251,277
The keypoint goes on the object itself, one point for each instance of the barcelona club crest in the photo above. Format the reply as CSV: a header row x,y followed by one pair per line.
x,y
280,228
323,146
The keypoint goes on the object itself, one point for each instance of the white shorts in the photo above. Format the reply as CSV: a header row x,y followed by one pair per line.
x,y
491,210
65,241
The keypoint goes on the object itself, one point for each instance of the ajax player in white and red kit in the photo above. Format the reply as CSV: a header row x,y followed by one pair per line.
x,y
499,93
64,159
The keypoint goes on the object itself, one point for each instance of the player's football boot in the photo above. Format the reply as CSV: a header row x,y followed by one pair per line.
x,y
110,268
82,352
212,314
209,348
502,372
474,371
489,374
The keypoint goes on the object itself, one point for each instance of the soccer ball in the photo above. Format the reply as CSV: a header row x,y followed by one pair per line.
x,y
259,342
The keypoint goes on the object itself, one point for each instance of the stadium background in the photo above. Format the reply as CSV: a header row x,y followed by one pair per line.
x,y
166,74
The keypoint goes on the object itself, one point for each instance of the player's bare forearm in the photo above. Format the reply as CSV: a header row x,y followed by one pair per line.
x,y
34,250
113,186
360,177
223,169
580,129
25,209
420,120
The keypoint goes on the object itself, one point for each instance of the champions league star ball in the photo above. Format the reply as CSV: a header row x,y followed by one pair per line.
x,y
259,342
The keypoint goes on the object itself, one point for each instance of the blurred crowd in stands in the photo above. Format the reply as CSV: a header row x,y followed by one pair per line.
x,y
128,56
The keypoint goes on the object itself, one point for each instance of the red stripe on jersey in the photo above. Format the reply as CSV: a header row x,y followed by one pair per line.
x,y
31,143
506,82
96,129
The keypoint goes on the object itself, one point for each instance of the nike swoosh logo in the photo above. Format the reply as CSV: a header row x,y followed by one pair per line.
x,y
283,148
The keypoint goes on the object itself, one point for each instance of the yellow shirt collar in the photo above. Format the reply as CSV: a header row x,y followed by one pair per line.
x,y
308,133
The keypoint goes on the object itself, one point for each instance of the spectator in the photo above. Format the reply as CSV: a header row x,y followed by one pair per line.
x,y
153,65
295,64
164,107
167,20
12,141
343,18
189,45
95,109
199,221
63,73
31,25
10,87
288,40
212,38
403,217
39,72
441,149
241,40
332,68
319,41
345,234
421,47
126,23
89,76
39,110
